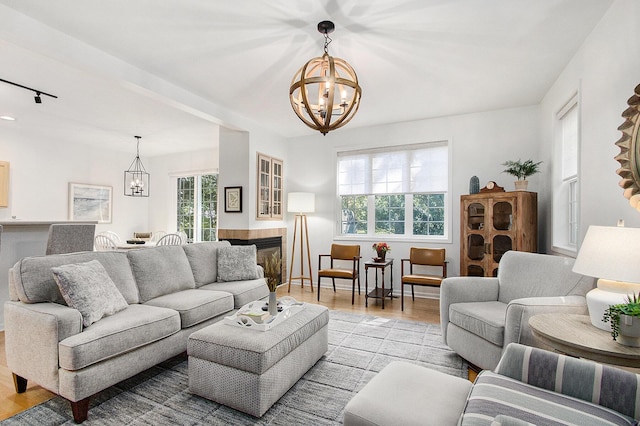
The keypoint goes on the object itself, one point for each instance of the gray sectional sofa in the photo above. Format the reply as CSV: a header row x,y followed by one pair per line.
x,y
170,292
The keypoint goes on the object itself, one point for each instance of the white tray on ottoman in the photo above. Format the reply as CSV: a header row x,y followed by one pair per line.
x,y
250,371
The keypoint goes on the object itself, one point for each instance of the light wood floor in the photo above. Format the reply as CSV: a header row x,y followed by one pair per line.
x,y
426,310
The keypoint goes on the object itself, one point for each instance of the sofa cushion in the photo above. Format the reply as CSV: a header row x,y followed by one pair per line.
x,y
484,319
194,305
33,282
160,270
243,291
88,288
494,394
237,263
136,326
203,258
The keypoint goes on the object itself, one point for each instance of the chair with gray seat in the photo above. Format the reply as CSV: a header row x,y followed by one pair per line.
x,y
70,237
480,316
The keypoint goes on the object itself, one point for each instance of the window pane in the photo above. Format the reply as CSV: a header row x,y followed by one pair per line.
x,y
186,205
389,214
208,207
428,214
354,214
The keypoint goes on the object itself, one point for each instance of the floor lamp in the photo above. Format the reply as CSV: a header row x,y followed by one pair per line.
x,y
301,203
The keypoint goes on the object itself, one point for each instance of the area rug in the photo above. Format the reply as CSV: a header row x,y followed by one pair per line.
x,y
359,347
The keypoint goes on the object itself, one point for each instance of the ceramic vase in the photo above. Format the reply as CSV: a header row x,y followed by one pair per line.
x,y
629,331
273,303
521,185
381,255
474,185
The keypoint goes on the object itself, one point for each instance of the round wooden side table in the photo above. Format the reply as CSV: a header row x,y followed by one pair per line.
x,y
575,335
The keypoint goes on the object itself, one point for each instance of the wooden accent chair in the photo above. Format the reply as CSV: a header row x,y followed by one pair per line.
x,y
340,254
421,258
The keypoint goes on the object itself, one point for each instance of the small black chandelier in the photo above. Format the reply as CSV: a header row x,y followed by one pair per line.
x,y
325,93
136,178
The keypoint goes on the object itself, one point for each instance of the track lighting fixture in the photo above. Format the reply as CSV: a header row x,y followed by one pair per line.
x,y
37,97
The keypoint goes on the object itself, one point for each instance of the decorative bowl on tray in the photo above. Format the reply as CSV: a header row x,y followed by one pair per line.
x,y
378,259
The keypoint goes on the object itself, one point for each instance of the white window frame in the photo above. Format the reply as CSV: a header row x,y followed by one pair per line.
x,y
566,187
407,236
197,229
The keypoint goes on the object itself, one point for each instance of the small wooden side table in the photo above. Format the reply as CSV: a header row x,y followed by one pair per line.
x,y
575,335
377,292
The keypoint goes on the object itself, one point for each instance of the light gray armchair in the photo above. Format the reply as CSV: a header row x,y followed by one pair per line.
x,y
480,316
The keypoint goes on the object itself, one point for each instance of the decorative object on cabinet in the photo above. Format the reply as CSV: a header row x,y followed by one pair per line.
x,y
301,203
629,157
90,202
336,85
233,199
4,184
521,171
492,224
491,186
474,185
270,177
609,253
136,178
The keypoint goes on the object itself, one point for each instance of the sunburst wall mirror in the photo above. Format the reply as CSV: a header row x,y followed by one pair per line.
x,y
629,144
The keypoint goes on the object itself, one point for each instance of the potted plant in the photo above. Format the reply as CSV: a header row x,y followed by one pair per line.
x,y
381,250
272,270
521,170
625,321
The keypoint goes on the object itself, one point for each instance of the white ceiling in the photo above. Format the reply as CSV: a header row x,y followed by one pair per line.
x,y
172,70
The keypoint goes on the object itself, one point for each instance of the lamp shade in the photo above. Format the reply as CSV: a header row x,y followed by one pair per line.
x,y
610,252
301,202
611,255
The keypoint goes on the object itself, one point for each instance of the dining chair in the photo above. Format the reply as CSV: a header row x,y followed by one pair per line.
x,y
112,235
156,235
103,242
170,240
70,237
422,262
344,264
183,235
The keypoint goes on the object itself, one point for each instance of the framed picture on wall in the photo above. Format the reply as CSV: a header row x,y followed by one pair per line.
x,y
90,202
233,199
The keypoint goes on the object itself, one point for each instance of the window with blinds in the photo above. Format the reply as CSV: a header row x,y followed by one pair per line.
x,y
401,190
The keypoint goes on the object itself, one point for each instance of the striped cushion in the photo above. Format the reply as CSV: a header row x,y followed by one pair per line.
x,y
494,395
590,381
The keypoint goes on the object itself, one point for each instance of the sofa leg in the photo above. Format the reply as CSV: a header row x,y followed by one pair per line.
x,y
20,383
80,410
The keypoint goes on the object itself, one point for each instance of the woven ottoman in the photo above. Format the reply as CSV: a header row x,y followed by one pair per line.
x,y
249,370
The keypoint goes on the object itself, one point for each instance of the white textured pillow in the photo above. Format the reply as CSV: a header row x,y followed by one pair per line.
x,y
88,288
237,263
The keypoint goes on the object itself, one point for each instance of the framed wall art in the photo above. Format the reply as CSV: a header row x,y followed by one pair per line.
x,y
233,199
90,202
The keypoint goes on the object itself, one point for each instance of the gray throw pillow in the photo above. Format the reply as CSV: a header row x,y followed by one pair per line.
x,y
237,263
88,288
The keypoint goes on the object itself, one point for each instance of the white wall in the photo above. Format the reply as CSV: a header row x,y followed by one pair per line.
x,y
605,71
480,143
41,172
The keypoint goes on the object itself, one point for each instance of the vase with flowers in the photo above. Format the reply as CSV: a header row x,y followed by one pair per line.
x,y
381,250
272,270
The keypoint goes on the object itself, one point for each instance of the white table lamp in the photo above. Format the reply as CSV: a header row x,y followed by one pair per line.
x,y
611,254
301,203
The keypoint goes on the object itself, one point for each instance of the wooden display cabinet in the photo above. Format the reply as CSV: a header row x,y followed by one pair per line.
x,y
492,224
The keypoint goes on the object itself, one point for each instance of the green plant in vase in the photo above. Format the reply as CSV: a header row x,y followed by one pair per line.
x,y
521,171
614,313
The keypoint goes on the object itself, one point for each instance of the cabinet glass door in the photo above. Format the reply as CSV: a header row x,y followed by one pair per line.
x,y
475,216
502,216
501,245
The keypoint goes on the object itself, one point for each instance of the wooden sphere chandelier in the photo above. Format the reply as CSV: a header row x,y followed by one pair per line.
x,y
325,93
